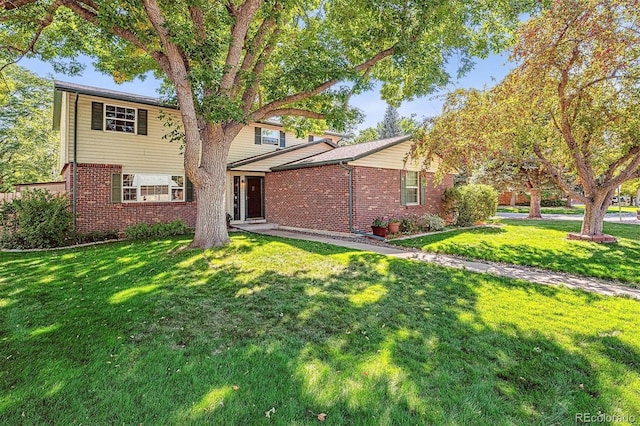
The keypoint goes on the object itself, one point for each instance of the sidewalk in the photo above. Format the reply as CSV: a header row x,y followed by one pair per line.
x,y
533,275
627,218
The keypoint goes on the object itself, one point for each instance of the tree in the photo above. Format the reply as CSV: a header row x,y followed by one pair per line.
x,y
390,125
578,81
235,62
573,102
28,145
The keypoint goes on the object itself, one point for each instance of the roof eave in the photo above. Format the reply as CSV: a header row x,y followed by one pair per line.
x,y
308,165
119,96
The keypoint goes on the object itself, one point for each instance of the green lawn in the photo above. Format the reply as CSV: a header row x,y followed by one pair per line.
x,y
579,210
152,333
544,244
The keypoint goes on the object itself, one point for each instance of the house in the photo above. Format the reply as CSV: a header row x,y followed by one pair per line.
x,y
120,169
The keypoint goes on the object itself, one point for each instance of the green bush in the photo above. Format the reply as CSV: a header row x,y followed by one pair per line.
x,y
39,219
158,229
409,225
430,222
556,202
469,204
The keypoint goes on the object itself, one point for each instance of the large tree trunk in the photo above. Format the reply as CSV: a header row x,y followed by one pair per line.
x,y
514,196
593,221
569,201
211,223
534,204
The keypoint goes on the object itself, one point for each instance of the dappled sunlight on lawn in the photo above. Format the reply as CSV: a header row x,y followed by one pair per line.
x,y
294,329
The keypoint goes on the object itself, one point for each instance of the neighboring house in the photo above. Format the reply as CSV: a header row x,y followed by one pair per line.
x,y
120,169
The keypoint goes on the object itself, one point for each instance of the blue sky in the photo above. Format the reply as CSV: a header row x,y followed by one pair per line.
x,y
486,73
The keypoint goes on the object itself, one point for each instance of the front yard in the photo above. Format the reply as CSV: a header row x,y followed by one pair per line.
x,y
279,331
544,244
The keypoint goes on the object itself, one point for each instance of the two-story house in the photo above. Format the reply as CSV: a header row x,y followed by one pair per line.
x,y
120,168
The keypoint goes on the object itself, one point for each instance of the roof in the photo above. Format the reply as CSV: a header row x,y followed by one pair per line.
x,y
277,152
109,94
345,154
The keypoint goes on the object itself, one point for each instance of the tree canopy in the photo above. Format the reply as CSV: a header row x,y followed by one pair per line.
x,y
572,101
239,61
28,145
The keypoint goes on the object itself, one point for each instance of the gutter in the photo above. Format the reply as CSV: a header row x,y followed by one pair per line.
x,y
355,231
75,160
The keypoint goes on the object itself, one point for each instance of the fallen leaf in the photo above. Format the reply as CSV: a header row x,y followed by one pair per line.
x,y
270,412
364,373
322,417
235,387
581,386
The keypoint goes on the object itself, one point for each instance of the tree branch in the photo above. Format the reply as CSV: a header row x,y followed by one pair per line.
x,y
557,177
265,110
298,112
197,17
244,15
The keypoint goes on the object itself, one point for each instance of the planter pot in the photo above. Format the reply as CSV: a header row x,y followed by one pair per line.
x,y
379,231
394,227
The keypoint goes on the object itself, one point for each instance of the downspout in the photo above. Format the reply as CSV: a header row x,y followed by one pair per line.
x,y
355,231
75,161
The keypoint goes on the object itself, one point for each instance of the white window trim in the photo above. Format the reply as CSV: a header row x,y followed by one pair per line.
x,y
277,142
417,187
139,199
135,120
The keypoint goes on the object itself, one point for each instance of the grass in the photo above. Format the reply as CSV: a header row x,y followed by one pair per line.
x,y
151,333
544,244
578,210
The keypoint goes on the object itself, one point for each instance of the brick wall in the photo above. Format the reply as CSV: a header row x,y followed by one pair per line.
x,y
96,212
377,193
504,199
318,197
313,198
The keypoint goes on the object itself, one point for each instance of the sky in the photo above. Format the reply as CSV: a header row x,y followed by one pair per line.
x,y
486,73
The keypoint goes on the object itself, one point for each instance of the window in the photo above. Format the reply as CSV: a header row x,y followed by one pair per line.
x,y
270,137
120,119
152,188
412,188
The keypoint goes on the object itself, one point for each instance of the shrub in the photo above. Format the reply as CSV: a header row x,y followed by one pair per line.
x,y
158,229
556,202
379,222
430,222
409,225
39,219
469,204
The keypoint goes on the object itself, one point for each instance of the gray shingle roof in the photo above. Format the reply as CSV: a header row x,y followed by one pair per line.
x,y
345,153
277,152
109,94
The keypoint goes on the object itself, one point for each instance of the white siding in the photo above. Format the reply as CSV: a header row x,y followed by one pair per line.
x,y
392,158
142,153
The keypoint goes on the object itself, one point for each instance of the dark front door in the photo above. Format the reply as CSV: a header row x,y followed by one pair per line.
x,y
254,197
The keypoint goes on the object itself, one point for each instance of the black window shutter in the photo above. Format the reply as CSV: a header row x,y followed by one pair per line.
x,y
142,121
97,115
258,136
282,140
403,187
189,191
310,138
423,189
116,187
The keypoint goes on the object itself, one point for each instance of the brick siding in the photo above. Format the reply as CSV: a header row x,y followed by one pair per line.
x,y
318,197
504,199
313,198
96,212
377,193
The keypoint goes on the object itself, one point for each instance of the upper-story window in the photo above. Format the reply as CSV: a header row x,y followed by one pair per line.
x,y
116,118
270,137
120,119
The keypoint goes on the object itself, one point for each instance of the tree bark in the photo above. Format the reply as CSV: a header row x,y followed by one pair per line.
x,y
514,196
593,221
534,204
211,224
569,201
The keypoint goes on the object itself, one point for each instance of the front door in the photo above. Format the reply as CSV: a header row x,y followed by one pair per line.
x,y
255,205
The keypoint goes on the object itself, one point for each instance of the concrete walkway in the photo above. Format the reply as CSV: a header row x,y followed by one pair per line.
x,y
627,218
533,275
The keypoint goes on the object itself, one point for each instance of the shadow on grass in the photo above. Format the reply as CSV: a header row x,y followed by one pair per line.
x,y
227,336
